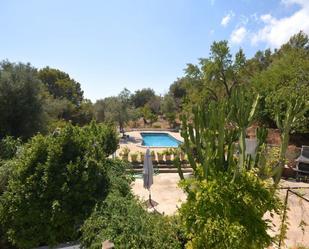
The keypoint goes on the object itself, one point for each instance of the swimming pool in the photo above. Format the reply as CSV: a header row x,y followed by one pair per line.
x,y
159,140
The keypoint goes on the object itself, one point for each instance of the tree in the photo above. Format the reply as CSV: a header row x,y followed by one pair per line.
x,y
220,72
148,115
21,103
214,77
60,85
83,114
286,78
154,104
141,97
169,109
54,175
179,91
115,109
100,110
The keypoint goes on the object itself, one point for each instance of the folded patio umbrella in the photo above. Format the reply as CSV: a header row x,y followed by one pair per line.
x,y
148,177
148,170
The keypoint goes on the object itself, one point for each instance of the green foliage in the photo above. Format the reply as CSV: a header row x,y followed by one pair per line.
x,y
21,103
226,198
9,147
178,91
114,109
55,183
285,80
124,221
225,214
169,109
60,85
64,99
124,153
134,157
215,77
141,97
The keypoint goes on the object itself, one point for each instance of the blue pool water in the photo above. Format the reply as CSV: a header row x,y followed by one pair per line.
x,y
159,140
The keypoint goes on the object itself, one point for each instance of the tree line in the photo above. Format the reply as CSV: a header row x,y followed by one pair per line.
x,y
39,100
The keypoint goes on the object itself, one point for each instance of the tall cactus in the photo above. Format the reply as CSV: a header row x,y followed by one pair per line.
x,y
243,109
297,106
209,138
206,139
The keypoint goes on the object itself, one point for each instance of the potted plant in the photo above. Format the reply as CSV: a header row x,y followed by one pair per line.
x,y
174,152
124,154
160,156
182,156
168,155
134,157
142,156
153,156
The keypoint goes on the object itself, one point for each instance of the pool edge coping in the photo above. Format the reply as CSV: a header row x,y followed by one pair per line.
x,y
156,147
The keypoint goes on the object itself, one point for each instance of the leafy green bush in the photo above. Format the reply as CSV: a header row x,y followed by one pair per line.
x,y
56,182
8,147
125,222
224,214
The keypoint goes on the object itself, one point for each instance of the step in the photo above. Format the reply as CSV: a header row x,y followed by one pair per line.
x,y
164,170
140,166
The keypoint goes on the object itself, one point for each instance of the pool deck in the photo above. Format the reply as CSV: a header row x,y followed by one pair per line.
x,y
134,142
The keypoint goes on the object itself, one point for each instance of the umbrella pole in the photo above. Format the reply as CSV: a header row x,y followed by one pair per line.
x,y
150,197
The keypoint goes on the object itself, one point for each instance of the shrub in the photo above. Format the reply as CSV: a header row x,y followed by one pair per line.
x,y
124,221
56,182
160,156
134,157
142,156
8,147
125,153
215,217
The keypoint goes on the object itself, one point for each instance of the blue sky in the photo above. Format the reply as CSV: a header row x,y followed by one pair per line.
x,y
109,45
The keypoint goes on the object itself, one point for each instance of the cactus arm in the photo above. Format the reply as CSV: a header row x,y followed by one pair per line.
x,y
177,165
188,150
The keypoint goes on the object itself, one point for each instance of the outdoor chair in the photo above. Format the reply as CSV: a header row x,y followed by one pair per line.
x,y
302,163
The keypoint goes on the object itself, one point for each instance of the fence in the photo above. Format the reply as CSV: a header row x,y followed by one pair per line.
x,y
293,214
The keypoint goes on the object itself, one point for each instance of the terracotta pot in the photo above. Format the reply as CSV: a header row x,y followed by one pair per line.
x,y
288,172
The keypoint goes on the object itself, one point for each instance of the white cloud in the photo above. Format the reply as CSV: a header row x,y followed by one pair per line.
x,y
238,35
226,19
266,18
278,31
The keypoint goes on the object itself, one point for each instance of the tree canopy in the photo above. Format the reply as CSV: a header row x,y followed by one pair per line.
x,y
21,101
60,85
